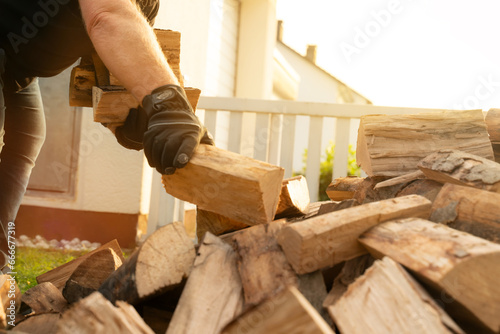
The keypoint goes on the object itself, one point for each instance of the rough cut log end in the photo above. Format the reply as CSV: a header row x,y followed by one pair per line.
x,y
229,184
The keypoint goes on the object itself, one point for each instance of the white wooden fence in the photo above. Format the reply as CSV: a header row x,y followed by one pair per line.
x,y
273,140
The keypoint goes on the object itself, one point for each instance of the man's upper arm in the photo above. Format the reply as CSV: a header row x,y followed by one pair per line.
x,y
93,11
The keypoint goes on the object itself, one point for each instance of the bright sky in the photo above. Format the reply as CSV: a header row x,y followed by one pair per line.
x,y
414,53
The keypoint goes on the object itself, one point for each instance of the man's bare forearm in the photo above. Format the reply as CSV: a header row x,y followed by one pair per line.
x,y
127,45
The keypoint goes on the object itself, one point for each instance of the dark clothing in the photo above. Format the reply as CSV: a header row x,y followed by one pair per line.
x,y
37,38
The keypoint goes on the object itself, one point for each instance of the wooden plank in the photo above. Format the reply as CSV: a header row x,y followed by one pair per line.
x,y
161,263
294,198
229,184
469,210
492,120
287,144
391,302
61,274
326,240
90,274
96,315
112,103
45,298
393,145
461,265
341,154
235,126
287,313
462,168
314,156
213,295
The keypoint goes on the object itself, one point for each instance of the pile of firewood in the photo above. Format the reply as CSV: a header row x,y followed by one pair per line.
x,y
411,248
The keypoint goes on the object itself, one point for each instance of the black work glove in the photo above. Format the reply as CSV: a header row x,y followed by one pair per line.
x,y
173,131
130,134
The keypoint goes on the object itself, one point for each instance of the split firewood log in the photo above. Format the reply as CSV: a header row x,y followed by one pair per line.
x,y
215,223
463,169
163,261
38,324
289,312
294,198
393,145
329,239
464,267
468,209
45,298
390,301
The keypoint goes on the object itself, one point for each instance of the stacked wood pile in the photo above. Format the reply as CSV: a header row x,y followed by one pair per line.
x,y
413,252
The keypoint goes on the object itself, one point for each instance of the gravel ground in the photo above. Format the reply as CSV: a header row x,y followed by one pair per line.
x,y
40,242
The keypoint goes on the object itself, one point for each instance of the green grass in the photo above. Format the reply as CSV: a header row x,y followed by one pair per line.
x,y
32,262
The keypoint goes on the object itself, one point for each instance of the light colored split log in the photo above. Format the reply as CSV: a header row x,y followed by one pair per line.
x,y
461,265
387,300
90,274
215,223
294,197
61,274
45,298
39,324
463,169
80,87
213,294
235,186
287,313
423,187
468,209
343,188
96,315
329,239
351,270
113,103
492,120
393,145
161,263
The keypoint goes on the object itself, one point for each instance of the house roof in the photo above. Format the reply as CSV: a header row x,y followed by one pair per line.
x,y
320,68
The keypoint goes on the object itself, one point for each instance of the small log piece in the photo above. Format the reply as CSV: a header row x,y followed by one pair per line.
x,y
61,274
96,315
329,239
161,263
343,188
90,274
393,145
235,186
286,313
213,294
492,120
294,198
469,210
423,187
45,298
461,265
463,169
80,88
390,301
215,223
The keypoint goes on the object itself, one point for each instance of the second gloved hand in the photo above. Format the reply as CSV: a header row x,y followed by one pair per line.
x,y
173,131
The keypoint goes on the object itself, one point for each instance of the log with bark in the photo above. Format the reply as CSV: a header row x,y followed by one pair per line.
x,y
90,274
286,313
235,186
390,301
61,274
462,168
464,267
393,145
329,239
163,261
213,294
45,298
343,188
468,209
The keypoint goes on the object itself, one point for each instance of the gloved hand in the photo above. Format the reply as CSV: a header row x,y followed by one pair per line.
x,y
173,131
130,134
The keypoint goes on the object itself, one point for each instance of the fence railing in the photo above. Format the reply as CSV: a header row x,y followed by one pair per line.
x,y
265,130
